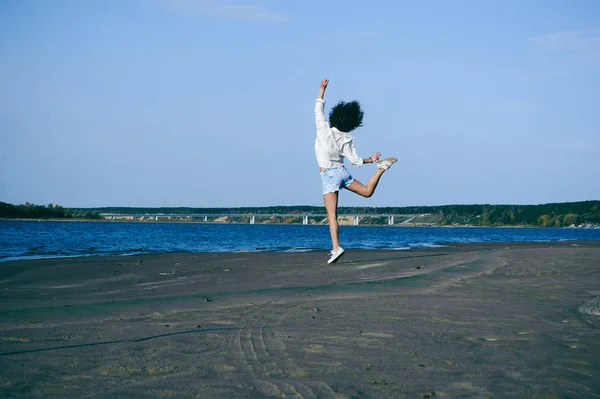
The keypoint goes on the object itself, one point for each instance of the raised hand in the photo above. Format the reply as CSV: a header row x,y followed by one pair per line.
x,y
324,84
375,157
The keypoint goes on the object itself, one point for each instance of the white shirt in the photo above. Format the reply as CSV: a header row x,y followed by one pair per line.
x,y
332,145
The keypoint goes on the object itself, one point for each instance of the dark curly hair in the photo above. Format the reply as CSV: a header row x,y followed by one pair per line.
x,y
346,116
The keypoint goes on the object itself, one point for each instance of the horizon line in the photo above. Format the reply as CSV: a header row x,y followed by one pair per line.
x,y
347,206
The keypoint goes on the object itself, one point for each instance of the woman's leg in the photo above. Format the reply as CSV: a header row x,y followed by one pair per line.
x,y
331,204
369,189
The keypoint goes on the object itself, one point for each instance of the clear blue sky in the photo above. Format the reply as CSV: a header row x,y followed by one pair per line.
x,y
210,102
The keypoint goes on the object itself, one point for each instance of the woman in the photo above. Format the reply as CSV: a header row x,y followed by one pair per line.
x,y
334,143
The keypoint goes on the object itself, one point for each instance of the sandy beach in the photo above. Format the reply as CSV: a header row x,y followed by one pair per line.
x,y
467,321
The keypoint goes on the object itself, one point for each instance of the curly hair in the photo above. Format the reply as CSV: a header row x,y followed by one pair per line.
x,y
346,116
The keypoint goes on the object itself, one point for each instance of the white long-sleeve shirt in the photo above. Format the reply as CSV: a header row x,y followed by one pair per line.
x,y
332,145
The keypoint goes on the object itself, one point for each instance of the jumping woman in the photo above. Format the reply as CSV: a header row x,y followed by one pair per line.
x,y
334,143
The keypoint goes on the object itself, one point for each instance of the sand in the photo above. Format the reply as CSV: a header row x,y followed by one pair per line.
x,y
470,321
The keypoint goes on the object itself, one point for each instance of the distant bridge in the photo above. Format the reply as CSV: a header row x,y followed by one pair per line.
x,y
251,217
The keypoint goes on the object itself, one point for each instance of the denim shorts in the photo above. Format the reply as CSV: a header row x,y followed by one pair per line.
x,y
334,179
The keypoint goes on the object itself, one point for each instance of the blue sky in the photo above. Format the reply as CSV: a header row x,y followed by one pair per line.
x,y
210,102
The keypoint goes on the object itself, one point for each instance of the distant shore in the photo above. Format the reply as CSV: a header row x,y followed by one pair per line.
x,y
341,222
579,214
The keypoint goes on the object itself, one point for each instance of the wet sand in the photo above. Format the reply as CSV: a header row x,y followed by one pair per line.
x,y
470,321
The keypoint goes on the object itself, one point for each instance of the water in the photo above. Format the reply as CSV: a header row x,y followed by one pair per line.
x,y
33,239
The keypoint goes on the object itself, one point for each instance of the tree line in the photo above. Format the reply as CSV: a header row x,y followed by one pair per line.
x,y
545,215
50,211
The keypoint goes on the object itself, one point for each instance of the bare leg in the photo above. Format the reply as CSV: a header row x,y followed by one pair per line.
x,y
331,204
369,189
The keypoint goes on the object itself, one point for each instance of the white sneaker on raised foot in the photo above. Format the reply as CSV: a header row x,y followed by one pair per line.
x,y
386,163
335,255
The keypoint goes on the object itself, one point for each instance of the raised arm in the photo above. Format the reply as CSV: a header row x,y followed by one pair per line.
x,y
322,124
324,84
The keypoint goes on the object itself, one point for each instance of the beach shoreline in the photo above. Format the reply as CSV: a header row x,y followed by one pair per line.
x,y
466,320
415,247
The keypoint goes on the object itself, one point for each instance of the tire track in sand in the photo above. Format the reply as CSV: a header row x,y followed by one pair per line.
x,y
265,356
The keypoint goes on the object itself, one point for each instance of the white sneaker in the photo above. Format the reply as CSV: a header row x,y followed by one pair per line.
x,y
386,163
335,255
